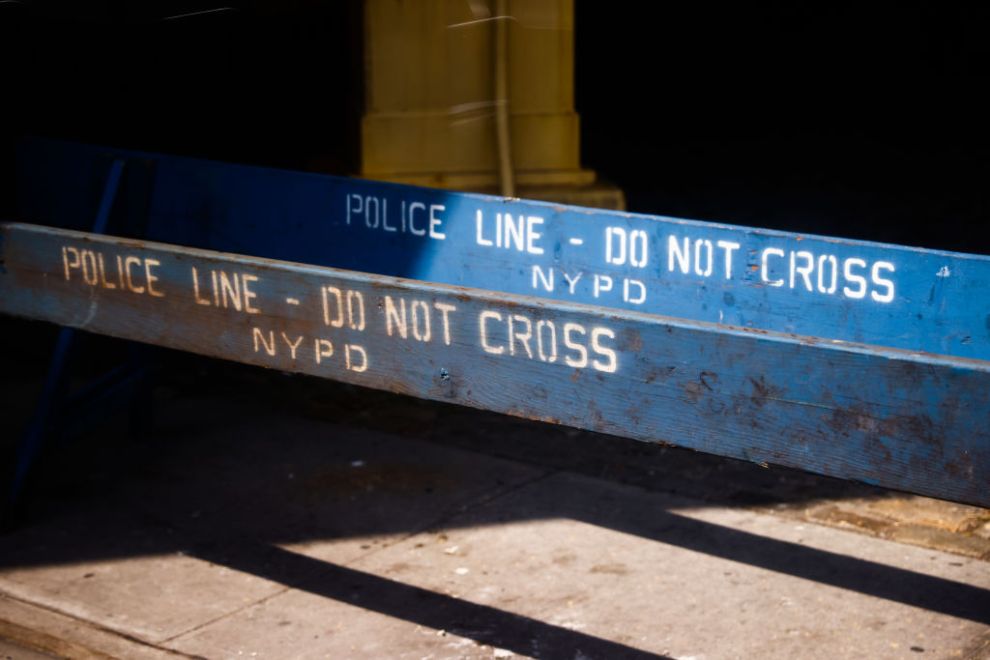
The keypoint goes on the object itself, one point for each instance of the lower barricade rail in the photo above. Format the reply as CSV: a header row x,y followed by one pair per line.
x,y
886,416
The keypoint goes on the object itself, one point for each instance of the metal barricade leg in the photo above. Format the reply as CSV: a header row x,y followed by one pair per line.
x,y
49,405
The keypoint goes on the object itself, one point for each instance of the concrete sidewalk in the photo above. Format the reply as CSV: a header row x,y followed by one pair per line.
x,y
265,520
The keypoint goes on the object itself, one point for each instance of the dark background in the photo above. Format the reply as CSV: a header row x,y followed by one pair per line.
x,y
826,118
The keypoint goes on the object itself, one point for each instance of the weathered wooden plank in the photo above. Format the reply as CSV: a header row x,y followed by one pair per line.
x,y
885,416
916,299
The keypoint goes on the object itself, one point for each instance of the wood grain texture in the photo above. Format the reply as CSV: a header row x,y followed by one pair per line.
x,y
895,418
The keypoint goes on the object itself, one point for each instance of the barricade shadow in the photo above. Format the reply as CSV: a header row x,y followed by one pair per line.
x,y
235,472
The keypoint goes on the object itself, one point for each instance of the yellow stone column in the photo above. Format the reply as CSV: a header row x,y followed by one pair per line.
x,y
431,107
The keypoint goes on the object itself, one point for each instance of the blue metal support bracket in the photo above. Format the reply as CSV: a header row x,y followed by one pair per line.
x,y
53,402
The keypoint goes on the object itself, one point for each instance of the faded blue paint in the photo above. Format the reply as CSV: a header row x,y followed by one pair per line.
x,y
880,415
940,302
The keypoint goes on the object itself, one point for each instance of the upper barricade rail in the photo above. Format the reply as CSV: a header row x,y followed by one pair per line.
x,y
836,289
